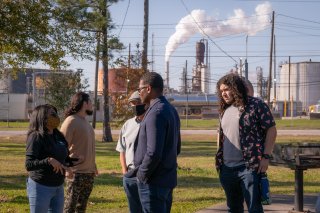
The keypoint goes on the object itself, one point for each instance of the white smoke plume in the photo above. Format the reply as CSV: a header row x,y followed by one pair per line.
x,y
199,22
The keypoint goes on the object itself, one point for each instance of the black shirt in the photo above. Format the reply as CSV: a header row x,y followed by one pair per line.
x,y
39,149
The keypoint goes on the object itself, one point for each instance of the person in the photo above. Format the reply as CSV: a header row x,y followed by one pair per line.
x,y
125,147
47,159
81,142
246,138
159,143
317,207
250,90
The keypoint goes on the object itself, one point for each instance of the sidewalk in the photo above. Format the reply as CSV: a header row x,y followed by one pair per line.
x,y
280,204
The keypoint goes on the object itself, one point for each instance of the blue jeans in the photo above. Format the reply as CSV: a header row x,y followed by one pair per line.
x,y
131,189
44,198
239,184
155,198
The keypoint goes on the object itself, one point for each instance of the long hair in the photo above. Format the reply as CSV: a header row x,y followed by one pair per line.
x,y
39,118
76,104
238,89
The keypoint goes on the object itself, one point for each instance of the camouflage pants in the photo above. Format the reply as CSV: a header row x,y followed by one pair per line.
x,y
78,191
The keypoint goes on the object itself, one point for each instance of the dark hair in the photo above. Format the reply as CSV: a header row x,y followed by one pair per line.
x,y
154,80
76,104
237,87
39,118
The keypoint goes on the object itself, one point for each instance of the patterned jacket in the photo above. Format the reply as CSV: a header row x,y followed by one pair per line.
x,y
253,125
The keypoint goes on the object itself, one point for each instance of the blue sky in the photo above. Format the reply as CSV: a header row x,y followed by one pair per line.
x,y
297,30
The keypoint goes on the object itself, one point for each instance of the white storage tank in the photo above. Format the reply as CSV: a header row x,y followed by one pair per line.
x,y
304,83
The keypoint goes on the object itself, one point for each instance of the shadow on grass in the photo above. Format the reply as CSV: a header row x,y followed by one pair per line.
x,y
96,200
108,179
106,149
292,184
20,200
203,199
197,182
13,182
198,149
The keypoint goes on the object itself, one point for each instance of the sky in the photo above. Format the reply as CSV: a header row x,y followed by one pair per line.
x,y
235,29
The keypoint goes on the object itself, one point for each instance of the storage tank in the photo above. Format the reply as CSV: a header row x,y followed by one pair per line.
x,y
116,80
304,83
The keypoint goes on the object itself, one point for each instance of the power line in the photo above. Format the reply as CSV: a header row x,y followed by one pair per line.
x,y
301,19
203,32
125,16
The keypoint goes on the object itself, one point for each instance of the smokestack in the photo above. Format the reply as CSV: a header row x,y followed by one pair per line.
x,y
167,74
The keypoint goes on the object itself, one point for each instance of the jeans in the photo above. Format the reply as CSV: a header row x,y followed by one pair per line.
x,y
131,189
239,184
44,198
155,198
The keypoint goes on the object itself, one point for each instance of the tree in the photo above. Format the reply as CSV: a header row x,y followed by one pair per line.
x,y
33,31
49,30
93,16
61,85
131,75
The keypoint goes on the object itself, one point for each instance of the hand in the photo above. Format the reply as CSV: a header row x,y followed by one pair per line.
x,y
124,170
79,158
263,166
96,173
69,174
57,166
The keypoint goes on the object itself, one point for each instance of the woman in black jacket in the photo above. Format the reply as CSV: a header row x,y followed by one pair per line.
x,y
46,161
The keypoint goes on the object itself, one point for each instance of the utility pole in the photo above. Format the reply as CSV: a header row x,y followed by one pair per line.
x,y
128,69
270,60
246,62
152,69
274,70
95,101
240,70
289,78
107,136
187,110
145,37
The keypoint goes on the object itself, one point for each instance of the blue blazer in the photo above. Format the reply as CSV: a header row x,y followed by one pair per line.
x,y
159,143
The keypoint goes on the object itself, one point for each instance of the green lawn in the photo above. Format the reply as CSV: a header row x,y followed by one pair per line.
x,y
193,124
198,184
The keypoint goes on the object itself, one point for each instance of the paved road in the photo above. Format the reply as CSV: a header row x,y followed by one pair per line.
x,y
184,132
280,204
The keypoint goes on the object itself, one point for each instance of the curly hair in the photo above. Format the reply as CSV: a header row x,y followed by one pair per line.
x,y
238,89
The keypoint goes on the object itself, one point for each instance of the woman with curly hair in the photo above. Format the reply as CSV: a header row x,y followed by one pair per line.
x,y
246,137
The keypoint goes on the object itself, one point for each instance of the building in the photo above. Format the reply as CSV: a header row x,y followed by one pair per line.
x,y
19,94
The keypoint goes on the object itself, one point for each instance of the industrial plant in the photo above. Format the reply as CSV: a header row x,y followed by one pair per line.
x,y
294,89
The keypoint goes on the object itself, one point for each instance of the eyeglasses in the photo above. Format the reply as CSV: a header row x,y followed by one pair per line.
x,y
141,88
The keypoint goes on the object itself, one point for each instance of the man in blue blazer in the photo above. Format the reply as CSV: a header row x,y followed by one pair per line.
x,y
159,143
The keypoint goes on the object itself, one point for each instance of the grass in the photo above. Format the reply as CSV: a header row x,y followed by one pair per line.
x,y
191,124
198,184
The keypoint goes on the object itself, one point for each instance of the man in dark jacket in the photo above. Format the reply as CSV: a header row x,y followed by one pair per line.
x,y
158,145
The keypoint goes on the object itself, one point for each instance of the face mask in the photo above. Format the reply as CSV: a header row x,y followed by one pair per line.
x,y
89,112
139,109
53,122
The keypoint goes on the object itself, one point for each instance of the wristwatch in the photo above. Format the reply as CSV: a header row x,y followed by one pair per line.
x,y
266,156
